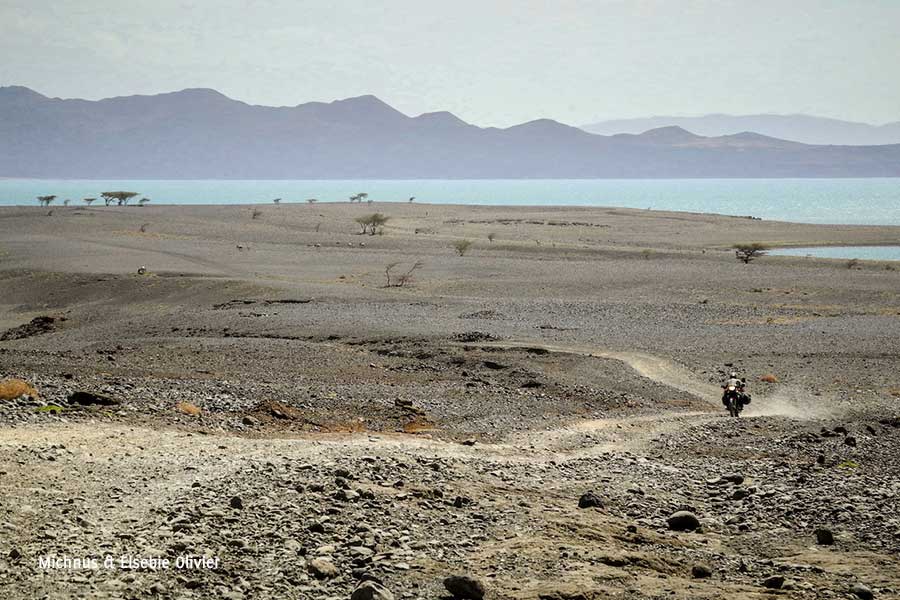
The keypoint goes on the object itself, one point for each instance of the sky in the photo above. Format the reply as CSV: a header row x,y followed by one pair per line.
x,y
492,63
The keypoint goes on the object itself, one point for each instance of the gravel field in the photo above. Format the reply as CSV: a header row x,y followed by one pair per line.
x,y
535,416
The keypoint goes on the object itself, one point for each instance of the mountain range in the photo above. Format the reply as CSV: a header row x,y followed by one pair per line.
x,y
798,128
202,134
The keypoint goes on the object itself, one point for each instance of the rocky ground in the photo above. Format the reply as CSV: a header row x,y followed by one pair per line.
x,y
529,416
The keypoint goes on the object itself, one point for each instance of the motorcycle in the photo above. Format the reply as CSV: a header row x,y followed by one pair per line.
x,y
734,400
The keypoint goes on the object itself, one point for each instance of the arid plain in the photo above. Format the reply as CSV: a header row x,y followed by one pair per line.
x,y
529,411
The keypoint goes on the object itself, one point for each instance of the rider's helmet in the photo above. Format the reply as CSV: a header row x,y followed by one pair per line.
x,y
733,375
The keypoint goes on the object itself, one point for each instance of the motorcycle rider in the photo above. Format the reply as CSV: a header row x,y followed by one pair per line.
x,y
738,385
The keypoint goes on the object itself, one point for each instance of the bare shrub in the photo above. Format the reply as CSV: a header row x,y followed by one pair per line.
x,y
403,278
144,227
491,236
853,263
256,214
462,246
749,252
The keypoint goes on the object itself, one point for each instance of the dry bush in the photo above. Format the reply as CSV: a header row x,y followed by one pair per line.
x,y
188,409
895,392
462,246
769,378
853,263
255,214
10,389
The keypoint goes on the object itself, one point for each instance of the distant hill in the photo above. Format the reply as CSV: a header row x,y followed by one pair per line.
x,y
798,128
201,134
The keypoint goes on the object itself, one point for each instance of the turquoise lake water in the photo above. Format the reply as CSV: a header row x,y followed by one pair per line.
x,y
847,252
844,201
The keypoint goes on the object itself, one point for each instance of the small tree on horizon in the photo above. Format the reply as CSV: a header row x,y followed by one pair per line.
x,y
45,200
143,201
312,200
89,201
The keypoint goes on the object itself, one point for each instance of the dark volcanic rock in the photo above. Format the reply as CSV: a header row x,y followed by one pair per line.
x,y
774,582
465,587
37,326
861,591
701,572
92,399
683,520
590,500
824,537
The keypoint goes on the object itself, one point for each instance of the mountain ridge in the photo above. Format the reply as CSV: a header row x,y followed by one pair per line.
x,y
797,127
199,133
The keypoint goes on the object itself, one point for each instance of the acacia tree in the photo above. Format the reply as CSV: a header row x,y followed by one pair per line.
x,y
748,252
312,200
120,198
143,201
371,223
45,200
89,201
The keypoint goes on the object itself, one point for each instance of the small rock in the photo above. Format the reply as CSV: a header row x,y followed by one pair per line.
x,y
774,582
14,554
861,591
824,537
237,503
91,399
850,441
590,500
157,589
371,590
683,520
701,572
465,587
321,568
735,478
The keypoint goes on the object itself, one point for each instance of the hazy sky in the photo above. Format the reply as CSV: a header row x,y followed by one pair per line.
x,y
490,62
